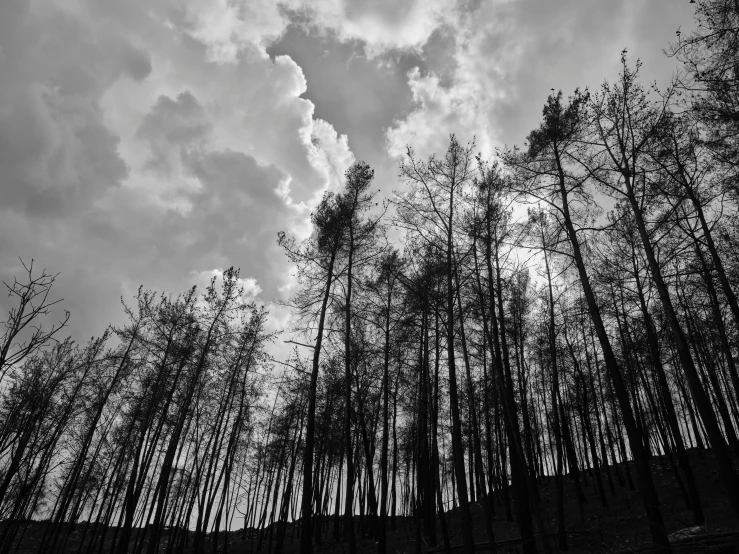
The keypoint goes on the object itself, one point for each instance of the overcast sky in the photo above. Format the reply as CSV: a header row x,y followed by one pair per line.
x,y
157,142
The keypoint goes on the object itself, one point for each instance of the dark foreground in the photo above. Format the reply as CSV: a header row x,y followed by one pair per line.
x,y
619,527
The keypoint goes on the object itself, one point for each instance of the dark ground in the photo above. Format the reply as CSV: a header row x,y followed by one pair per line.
x,y
619,528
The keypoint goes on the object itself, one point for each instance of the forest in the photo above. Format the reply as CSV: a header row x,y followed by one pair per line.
x,y
535,352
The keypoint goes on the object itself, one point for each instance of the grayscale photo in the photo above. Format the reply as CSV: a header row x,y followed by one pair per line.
x,y
369,276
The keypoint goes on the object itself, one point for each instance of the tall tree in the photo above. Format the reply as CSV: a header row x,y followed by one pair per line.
x,y
429,207
626,123
315,260
550,170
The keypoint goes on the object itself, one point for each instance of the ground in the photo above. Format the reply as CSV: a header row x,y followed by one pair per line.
x,y
621,527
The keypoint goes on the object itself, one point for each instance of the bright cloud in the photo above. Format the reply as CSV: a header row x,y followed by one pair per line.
x,y
143,145
248,285
153,140
461,108
510,54
381,25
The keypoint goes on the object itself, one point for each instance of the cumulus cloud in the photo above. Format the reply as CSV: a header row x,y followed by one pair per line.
x,y
440,110
149,141
147,145
509,54
56,154
171,130
229,28
247,285
380,25
235,28
329,153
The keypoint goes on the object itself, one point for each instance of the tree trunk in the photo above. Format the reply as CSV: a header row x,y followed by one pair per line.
x,y
641,462
306,545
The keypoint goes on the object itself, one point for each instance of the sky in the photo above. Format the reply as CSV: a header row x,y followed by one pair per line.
x,y
156,143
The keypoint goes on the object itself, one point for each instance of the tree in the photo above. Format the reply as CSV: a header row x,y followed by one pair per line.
x,y
352,202
428,207
547,239
24,334
550,170
626,123
315,260
711,79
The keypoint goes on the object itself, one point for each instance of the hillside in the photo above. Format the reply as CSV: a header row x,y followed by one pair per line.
x,y
620,527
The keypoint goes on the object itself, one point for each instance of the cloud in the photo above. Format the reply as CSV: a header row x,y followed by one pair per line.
x,y
170,124
233,28
229,28
146,145
509,54
248,285
379,25
329,153
148,141
459,109
56,154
